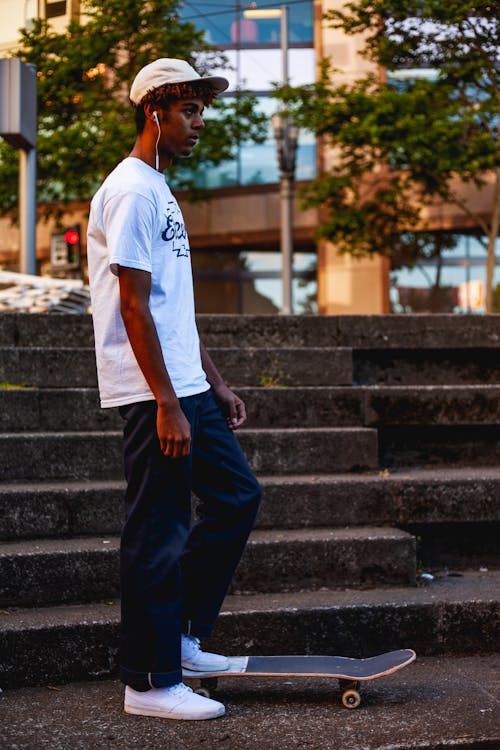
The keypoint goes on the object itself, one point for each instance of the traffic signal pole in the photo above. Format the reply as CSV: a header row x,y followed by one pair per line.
x,y
27,210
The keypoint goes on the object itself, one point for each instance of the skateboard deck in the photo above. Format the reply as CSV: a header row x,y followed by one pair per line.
x,y
349,672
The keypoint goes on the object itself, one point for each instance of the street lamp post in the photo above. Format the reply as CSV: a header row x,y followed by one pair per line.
x,y
286,135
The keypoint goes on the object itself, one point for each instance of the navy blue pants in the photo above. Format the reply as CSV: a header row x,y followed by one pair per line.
x,y
175,574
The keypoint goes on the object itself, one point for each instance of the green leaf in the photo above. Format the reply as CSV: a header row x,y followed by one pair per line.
x,y
400,146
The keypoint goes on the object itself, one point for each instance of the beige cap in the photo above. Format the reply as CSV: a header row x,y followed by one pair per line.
x,y
169,70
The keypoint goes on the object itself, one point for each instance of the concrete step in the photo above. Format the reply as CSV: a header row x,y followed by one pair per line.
x,y
263,331
77,409
60,367
445,616
60,509
290,560
360,331
373,406
97,455
75,367
427,446
48,367
432,498
321,449
46,330
434,704
43,572
64,455
461,365
456,546
281,366
452,615
55,410
431,405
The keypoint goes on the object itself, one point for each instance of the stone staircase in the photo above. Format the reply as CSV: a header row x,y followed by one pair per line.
x,y
376,440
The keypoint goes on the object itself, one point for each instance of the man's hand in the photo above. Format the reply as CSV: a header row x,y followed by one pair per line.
x,y
232,406
174,431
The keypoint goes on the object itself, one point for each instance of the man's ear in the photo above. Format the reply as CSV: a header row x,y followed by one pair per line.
x,y
150,110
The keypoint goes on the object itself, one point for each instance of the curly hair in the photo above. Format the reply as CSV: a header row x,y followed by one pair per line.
x,y
169,91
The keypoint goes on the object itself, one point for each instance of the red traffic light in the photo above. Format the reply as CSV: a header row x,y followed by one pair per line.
x,y
72,237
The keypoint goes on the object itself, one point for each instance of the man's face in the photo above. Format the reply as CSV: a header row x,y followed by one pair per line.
x,y
180,126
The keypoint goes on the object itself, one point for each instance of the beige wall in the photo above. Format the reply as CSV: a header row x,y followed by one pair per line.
x,y
351,286
15,14
244,215
343,51
346,285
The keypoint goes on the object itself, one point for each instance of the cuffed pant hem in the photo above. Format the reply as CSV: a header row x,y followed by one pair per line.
x,y
198,629
143,681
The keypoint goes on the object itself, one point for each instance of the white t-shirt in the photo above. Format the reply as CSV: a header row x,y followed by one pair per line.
x,y
136,222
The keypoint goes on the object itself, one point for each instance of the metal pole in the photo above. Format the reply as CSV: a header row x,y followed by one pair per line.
x,y
27,210
239,176
286,192
286,241
284,42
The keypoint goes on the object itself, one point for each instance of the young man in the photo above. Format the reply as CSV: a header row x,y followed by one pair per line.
x,y
179,414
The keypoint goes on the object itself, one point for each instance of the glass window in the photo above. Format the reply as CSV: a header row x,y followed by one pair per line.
x,y
214,19
254,63
229,281
259,69
224,23
253,163
453,283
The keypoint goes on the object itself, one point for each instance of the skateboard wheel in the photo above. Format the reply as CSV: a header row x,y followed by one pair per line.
x,y
351,699
209,683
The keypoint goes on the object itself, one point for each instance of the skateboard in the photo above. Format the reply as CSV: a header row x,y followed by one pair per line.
x,y
349,672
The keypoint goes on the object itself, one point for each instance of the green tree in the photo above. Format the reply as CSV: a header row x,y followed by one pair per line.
x,y
85,120
400,144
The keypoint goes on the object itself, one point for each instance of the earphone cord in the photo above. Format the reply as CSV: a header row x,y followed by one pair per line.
x,y
157,160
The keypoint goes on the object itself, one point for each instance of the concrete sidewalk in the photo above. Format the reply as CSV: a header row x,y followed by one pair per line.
x,y
435,703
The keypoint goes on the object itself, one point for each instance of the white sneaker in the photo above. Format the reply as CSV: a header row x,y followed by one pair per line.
x,y
177,702
193,658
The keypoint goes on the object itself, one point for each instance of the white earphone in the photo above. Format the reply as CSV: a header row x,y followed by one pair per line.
x,y
157,160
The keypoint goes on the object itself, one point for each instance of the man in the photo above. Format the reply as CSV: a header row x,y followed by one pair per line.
x,y
179,414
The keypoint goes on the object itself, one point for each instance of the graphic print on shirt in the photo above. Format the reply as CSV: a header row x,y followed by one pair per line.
x,y
175,232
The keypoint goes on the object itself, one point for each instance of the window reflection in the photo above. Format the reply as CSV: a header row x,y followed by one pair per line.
x,y
252,48
226,25
254,163
229,281
453,282
259,69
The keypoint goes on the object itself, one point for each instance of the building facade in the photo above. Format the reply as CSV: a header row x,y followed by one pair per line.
x,y
235,236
